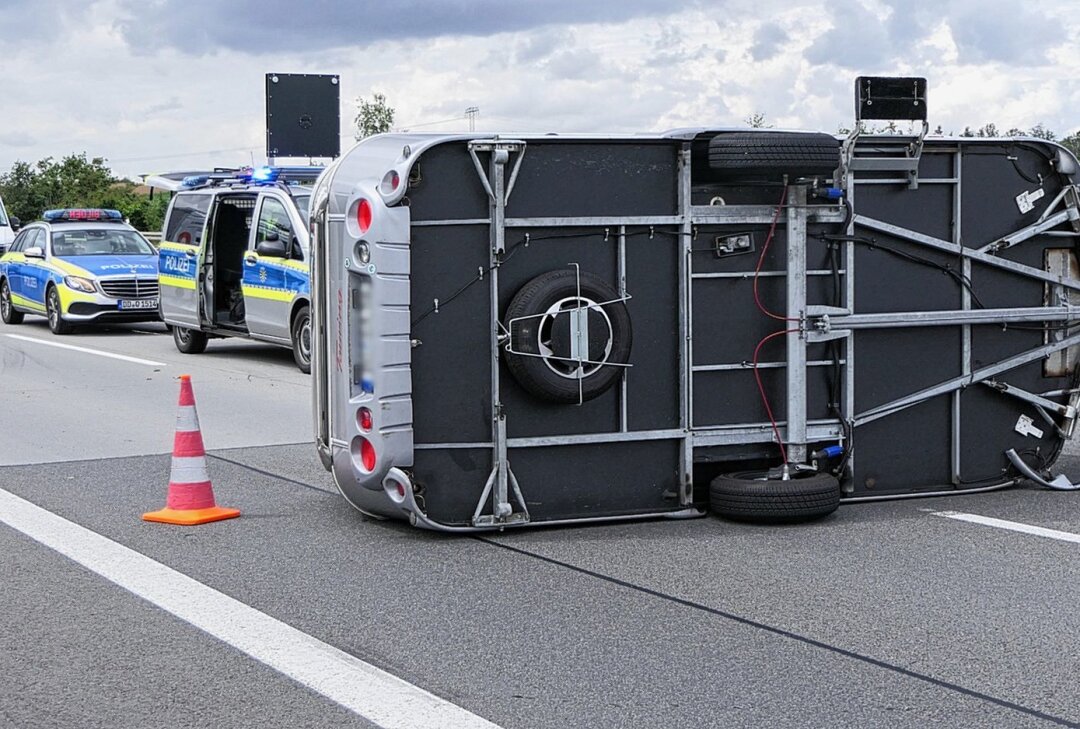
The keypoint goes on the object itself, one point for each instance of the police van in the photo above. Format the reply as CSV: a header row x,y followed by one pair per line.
x,y
234,260
77,267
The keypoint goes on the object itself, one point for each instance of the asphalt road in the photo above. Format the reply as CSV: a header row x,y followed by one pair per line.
x,y
885,614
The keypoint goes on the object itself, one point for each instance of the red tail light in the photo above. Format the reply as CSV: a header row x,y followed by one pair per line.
x,y
363,215
367,455
364,419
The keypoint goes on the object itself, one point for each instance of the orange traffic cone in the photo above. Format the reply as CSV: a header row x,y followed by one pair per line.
x,y
191,498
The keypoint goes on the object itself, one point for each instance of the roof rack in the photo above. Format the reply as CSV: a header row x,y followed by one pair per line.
x,y
234,177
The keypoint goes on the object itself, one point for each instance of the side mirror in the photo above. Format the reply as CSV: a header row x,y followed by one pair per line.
x,y
270,248
34,252
15,223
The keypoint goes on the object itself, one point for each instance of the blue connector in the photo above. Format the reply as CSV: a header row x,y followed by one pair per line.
x,y
828,452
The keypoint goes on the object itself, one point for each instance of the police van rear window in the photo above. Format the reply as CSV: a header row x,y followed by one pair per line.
x,y
187,218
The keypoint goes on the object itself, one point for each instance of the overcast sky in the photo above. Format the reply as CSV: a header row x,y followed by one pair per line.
x,y
154,85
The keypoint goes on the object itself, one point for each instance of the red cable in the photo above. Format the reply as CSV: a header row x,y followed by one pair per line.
x,y
761,389
761,260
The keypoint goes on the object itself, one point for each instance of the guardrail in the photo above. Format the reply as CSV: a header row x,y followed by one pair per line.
x,y
152,236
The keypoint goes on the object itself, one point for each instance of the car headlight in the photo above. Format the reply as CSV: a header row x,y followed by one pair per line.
x,y
80,284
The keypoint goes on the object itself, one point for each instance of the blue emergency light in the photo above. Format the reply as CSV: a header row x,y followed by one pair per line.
x,y
265,174
69,214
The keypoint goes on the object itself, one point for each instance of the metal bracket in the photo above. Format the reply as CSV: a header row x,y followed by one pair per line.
x,y
500,150
1042,405
1060,483
909,163
1046,221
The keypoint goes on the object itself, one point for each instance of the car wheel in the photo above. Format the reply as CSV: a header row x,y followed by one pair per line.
x,y
55,313
7,309
189,341
542,352
752,497
301,339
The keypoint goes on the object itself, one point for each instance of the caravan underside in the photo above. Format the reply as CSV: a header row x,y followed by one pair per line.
x,y
907,320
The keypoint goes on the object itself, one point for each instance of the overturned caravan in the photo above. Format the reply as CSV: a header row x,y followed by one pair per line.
x,y
547,329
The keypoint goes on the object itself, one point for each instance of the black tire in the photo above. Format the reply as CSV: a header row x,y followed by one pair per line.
x,y
748,497
771,155
55,313
546,332
7,309
189,341
301,339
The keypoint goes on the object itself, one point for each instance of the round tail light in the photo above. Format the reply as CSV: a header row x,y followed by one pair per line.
x,y
363,453
363,215
364,419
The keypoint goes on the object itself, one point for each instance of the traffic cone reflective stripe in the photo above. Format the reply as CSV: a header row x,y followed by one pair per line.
x,y
190,499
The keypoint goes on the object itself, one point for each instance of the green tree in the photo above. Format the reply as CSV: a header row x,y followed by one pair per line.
x,y
76,182
757,121
372,117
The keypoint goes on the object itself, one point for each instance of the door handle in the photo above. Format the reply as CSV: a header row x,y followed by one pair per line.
x,y
251,259
189,254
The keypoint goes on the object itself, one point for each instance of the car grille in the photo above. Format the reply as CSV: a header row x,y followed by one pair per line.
x,y
130,288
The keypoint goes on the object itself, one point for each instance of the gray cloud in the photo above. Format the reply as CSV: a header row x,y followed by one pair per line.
x,y
1002,34
769,40
858,39
267,26
17,139
983,30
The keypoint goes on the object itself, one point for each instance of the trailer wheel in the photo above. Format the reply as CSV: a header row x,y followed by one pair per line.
x,y
543,354
771,155
749,497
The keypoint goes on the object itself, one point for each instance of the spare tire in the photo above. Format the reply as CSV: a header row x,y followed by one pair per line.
x,y
750,497
771,155
549,319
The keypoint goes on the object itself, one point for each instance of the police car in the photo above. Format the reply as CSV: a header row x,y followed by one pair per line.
x,y
234,259
77,267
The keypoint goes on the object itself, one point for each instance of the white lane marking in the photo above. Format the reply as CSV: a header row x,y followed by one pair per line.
x,y
1010,525
374,694
87,350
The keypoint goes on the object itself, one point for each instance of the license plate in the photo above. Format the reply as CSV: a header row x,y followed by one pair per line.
x,y
128,304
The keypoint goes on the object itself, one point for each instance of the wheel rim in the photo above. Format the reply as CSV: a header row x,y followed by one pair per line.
x,y
5,301
303,339
563,367
182,335
53,309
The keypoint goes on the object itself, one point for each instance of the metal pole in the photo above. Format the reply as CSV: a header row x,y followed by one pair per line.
x,y
796,310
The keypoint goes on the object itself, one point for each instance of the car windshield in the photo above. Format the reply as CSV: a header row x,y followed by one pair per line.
x,y
303,202
3,215
98,242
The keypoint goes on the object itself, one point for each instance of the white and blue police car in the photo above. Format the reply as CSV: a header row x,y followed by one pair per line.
x,y
79,267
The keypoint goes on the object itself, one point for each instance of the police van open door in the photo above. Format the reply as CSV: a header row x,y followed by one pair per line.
x,y
181,257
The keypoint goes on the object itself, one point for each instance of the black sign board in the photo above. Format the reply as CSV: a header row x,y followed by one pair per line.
x,y
303,115
890,97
